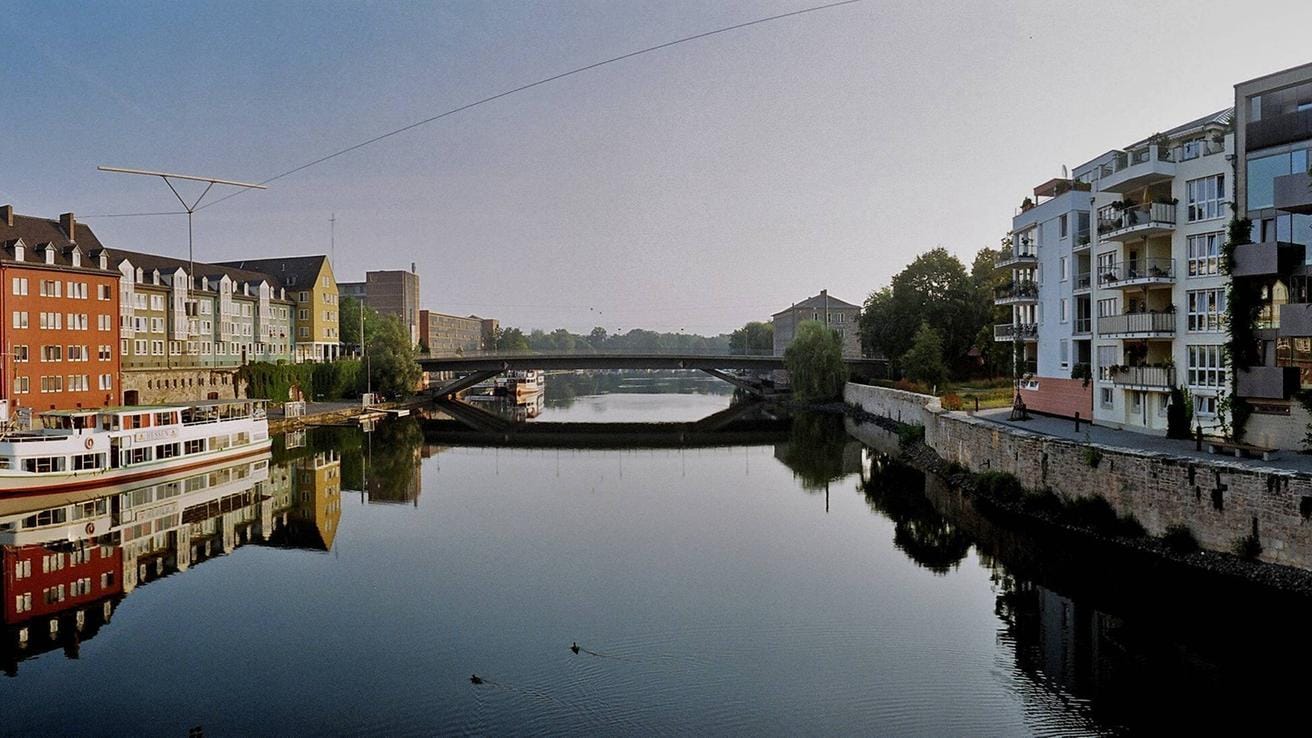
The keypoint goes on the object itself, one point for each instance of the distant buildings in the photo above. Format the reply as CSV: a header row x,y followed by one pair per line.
x,y
309,282
390,292
445,335
842,316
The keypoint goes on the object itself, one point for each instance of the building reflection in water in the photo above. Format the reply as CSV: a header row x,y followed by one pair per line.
x,y
68,564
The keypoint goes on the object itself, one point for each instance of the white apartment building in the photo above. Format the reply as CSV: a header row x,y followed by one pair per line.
x,y
1125,262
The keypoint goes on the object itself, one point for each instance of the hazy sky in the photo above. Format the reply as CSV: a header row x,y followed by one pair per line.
x,y
697,187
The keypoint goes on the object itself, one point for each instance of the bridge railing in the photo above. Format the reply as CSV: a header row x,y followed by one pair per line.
x,y
589,351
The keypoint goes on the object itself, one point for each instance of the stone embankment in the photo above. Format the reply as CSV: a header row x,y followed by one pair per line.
x,y
1221,502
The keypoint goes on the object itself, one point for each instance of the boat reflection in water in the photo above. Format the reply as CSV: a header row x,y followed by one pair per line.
x,y
69,562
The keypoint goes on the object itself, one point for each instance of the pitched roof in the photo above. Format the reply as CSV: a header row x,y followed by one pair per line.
x,y
38,233
1219,118
822,300
168,264
292,272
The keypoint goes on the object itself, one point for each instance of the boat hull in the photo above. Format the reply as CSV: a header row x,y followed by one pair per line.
x,y
108,480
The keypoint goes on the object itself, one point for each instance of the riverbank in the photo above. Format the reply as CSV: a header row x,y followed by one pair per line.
x,y
1160,494
338,413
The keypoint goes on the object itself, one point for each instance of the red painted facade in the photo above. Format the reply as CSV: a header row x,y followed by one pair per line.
x,y
50,578
1062,397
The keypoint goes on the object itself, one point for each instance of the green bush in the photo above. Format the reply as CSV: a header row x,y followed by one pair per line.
x,y
1000,486
1044,503
1180,539
1095,513
910,434
1247,547
332,380
1177,415
1092,456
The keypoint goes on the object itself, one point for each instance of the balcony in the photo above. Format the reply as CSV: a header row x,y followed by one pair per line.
x,y
1265,259
1146,271
1025,256
1279,129
1132,170
1016,293
1082,242
1143,377
1291,320
1016,331
1137,325
1082,281
1136,222
1267,382
1082,327
1294,193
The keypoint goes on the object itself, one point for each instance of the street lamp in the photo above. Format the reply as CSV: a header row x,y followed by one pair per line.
x,y
189,208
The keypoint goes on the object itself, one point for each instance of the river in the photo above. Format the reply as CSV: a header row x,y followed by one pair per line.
x,y
804,585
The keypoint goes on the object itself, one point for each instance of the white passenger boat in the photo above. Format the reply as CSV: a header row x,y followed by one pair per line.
x,y
82,449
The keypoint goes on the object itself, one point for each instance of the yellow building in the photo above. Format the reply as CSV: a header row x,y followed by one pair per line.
x,y
310,284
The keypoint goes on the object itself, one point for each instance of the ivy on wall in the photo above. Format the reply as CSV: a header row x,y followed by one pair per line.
x,y
1243,305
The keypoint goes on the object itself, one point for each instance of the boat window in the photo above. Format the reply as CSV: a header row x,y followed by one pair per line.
x,y
88,461
166,450
56,516
44,464
167,418
195,446
5,462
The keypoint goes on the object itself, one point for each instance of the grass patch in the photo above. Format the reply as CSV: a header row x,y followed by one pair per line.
x,y
909,434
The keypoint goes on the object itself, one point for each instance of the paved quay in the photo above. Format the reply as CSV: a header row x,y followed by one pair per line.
x,y
1284,459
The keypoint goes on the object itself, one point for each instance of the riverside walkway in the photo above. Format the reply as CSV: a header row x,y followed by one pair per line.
x,y
1285,459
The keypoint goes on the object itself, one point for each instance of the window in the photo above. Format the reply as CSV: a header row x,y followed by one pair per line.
x,y
1065,345
106,381
194,446
104,323
1204,254
20,354
105,352
20,285
1108,356
1065,306
1206,310
103,292
86,461
1206,197
51,288
1109,306
51,321
1206,366
1105,395
77,353
78,383
157,348
1065,268
52,353
22,385
77,290
156,302
1061,224
1204,406
20,318
140,347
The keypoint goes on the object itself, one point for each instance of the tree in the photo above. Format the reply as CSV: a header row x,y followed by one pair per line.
x,y
815,362
597,338
393,368
924,361
754,339
512,339
934,288
348,321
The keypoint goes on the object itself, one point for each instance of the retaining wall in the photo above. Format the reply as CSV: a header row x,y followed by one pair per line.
x,y
1219,501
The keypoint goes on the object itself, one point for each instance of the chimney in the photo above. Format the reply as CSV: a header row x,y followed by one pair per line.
x,y
69,224
412,268
824,293
7,215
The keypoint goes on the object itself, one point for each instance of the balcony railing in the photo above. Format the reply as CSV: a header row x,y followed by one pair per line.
x,y
1082,281
1146,219
1137,324
1130,169
1161,377
1013,331
1083,325
1026,254
1016,292
1137,272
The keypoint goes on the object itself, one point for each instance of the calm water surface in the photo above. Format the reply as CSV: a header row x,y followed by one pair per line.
x,y
804,586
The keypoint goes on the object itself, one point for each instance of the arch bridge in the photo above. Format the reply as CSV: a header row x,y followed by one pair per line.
x,y
480,367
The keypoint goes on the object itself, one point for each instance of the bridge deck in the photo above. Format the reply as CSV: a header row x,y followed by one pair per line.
x,y
550,361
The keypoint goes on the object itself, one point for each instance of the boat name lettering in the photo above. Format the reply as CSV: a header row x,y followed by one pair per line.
x,y
154,435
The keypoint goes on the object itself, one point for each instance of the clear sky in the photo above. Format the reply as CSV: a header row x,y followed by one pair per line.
x,y
694,188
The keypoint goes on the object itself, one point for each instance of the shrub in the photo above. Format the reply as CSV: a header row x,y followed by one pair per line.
x,y
1177,416
1000,486
906,385
1045,503
1092,456
1247,547
909,434
1094,513
951,401
1180,539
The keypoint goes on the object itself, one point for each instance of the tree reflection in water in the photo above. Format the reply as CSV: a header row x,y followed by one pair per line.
x,y
896,491
819,451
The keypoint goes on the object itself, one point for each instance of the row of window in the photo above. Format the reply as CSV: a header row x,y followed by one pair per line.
x,y
60,383
56,288
142,347
21,354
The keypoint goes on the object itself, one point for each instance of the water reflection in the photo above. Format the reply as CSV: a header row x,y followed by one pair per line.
x,y
68,563
562,388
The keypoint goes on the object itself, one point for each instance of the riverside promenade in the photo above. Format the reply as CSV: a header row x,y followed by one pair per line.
x,y
1284,459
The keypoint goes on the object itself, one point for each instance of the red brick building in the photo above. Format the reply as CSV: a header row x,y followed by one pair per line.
x,y
41,581
59,315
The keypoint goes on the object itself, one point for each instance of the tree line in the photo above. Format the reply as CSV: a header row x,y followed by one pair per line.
x,y
934,321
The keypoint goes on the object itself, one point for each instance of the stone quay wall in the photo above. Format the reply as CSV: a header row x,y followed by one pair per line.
x,y
157,386
1220,501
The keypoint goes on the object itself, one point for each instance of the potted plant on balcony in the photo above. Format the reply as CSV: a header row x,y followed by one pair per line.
x,y
1026,204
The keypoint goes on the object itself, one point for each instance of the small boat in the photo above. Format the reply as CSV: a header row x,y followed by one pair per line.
x,y
523,384
80,449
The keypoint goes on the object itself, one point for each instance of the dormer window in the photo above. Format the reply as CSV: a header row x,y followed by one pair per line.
x,y
75,257
18,252
154,277
104,260
141,275
50,255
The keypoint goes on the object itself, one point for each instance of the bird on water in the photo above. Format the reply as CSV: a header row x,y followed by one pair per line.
x,y
475,679
575,647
